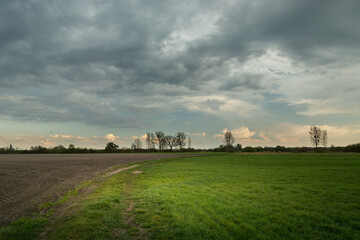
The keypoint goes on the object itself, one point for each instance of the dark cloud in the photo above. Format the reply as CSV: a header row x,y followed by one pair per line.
x,y
304,30
56,107
245,81
116,50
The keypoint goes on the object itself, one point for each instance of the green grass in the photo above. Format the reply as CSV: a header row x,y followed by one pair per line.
x,y
275,196
221,196
95,216
23,229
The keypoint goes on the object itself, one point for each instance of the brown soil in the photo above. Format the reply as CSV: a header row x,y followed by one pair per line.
x,y
28,180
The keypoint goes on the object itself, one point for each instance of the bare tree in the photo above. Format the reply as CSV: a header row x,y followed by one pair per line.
x,y
150,140
324,138
189,142
137,144
147,140
161,141
180,139
229,139
315,135
170,141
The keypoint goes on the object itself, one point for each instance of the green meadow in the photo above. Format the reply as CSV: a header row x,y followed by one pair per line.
x,y
215,196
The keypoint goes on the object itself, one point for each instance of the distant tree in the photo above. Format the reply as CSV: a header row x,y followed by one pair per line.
x,y
110,146
324,138
147,140
170,141
59,148
189,142
136,145
71,147
161,141
238,147
249,149
180,139
221,148
150,140
38,149
353,148
279,148
315,135
229,139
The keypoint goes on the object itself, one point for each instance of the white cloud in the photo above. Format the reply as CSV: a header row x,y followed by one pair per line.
x,y
197,134
111,137
241,132
225,106
238,133
289,134
322,90
244,135
326,106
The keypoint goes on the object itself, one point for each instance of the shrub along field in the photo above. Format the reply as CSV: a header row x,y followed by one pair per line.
x,y
217,196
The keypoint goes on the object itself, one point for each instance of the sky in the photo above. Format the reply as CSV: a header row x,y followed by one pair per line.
x,y
88,72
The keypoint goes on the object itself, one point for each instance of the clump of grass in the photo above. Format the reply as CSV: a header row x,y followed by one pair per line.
x,y
24,228
95,216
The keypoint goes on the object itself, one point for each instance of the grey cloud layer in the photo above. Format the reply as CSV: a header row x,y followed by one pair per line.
x,y
122,52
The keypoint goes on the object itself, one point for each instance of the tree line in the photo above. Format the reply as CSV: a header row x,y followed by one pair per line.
x,y
156,140
279,148
221,148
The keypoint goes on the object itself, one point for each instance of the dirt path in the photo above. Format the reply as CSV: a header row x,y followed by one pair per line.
x,y
120,170
29,180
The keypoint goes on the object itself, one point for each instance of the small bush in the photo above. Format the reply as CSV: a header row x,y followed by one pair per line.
x,y
320,150
249,149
